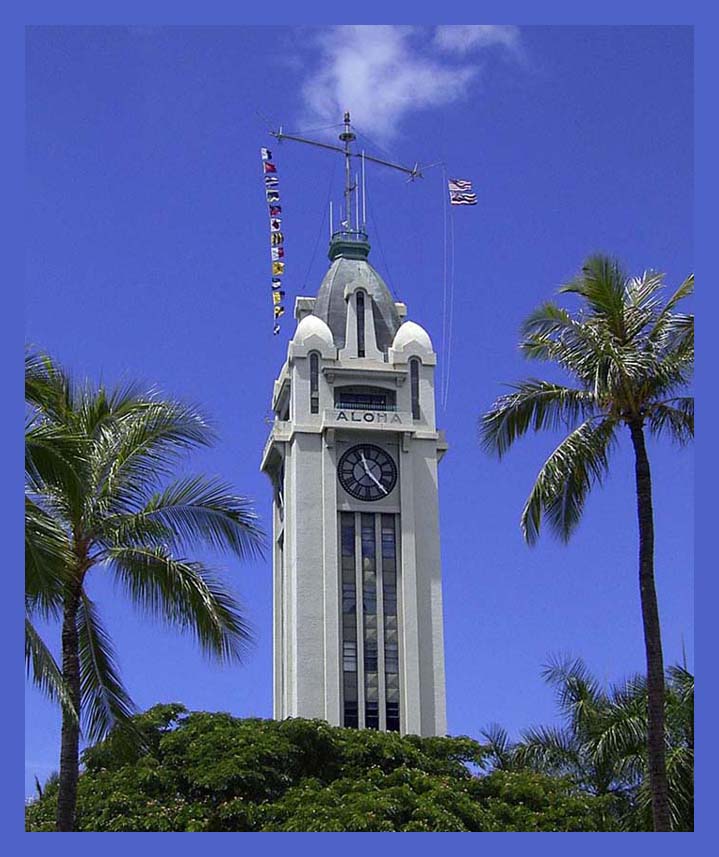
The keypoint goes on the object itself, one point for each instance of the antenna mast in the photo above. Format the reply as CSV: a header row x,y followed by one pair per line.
x,y
347,229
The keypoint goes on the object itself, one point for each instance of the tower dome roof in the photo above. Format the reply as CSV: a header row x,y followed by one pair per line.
x,y
331,305
310,326
412,333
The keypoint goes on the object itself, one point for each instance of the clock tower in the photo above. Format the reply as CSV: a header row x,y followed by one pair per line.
x,y
352,457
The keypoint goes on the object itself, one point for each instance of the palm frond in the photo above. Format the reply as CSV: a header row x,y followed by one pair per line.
x,y
52,455
549,323
48,559
185,594
681,681
134,452
105,702
679,335
665,316
42,668
188,512
551,750
674,419
500,750
535,405
643,293
48,388
602,284
580,698
562,485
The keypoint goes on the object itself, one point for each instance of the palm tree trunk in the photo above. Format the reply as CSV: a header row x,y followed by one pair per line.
x,y
656,753
70,736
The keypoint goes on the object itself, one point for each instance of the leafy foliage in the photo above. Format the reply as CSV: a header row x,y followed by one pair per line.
x,y
214,772
601,746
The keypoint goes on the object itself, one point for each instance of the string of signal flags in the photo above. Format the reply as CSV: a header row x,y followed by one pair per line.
x,y
277,238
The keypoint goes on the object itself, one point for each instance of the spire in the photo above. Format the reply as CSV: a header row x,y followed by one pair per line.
x,y
350,240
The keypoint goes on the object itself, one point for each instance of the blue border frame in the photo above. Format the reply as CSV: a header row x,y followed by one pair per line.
x,y
224,12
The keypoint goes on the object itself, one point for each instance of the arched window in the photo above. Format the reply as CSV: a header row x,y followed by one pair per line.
x,y
414,386
360,324
314,383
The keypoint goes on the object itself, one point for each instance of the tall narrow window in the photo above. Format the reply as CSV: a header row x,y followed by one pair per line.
x,y
391,637
349,620
369,614
360,324
314,383
414,386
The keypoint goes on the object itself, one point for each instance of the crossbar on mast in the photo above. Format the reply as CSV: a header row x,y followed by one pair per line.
x,y
348,137
414,171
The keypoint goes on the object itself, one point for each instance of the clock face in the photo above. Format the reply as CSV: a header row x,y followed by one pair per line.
x,y
367,472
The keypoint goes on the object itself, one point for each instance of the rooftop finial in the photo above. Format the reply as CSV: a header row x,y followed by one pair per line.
x,y
347,137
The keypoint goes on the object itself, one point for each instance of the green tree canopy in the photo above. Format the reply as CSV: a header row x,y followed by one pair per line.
x,y
214,772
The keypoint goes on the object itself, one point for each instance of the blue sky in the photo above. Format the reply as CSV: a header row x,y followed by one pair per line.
x,y
148,258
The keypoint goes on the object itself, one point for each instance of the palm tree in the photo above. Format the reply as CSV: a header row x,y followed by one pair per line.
x,y
631,357
100,496
601,745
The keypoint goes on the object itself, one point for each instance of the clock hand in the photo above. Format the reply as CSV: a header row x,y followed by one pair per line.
x,y
371,475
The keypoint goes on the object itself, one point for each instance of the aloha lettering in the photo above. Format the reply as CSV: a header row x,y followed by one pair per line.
x,y
368,417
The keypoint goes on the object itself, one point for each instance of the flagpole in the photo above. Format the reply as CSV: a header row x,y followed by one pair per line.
x,y
347,136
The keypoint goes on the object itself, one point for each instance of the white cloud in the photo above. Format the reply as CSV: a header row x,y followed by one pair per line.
x,y
381,73
462,38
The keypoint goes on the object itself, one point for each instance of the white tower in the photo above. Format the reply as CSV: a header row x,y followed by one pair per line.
x,y
352,455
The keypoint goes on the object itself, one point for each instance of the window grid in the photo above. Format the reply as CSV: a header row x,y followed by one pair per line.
x,y
349,621
391,630
370,633
369,620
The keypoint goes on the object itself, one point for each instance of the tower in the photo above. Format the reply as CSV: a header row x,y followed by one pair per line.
x,y
352,456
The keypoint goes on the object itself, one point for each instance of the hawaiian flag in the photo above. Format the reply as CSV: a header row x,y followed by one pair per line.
x,y
460,192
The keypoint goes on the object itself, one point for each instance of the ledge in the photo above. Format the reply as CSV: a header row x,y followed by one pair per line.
x,y
382,372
